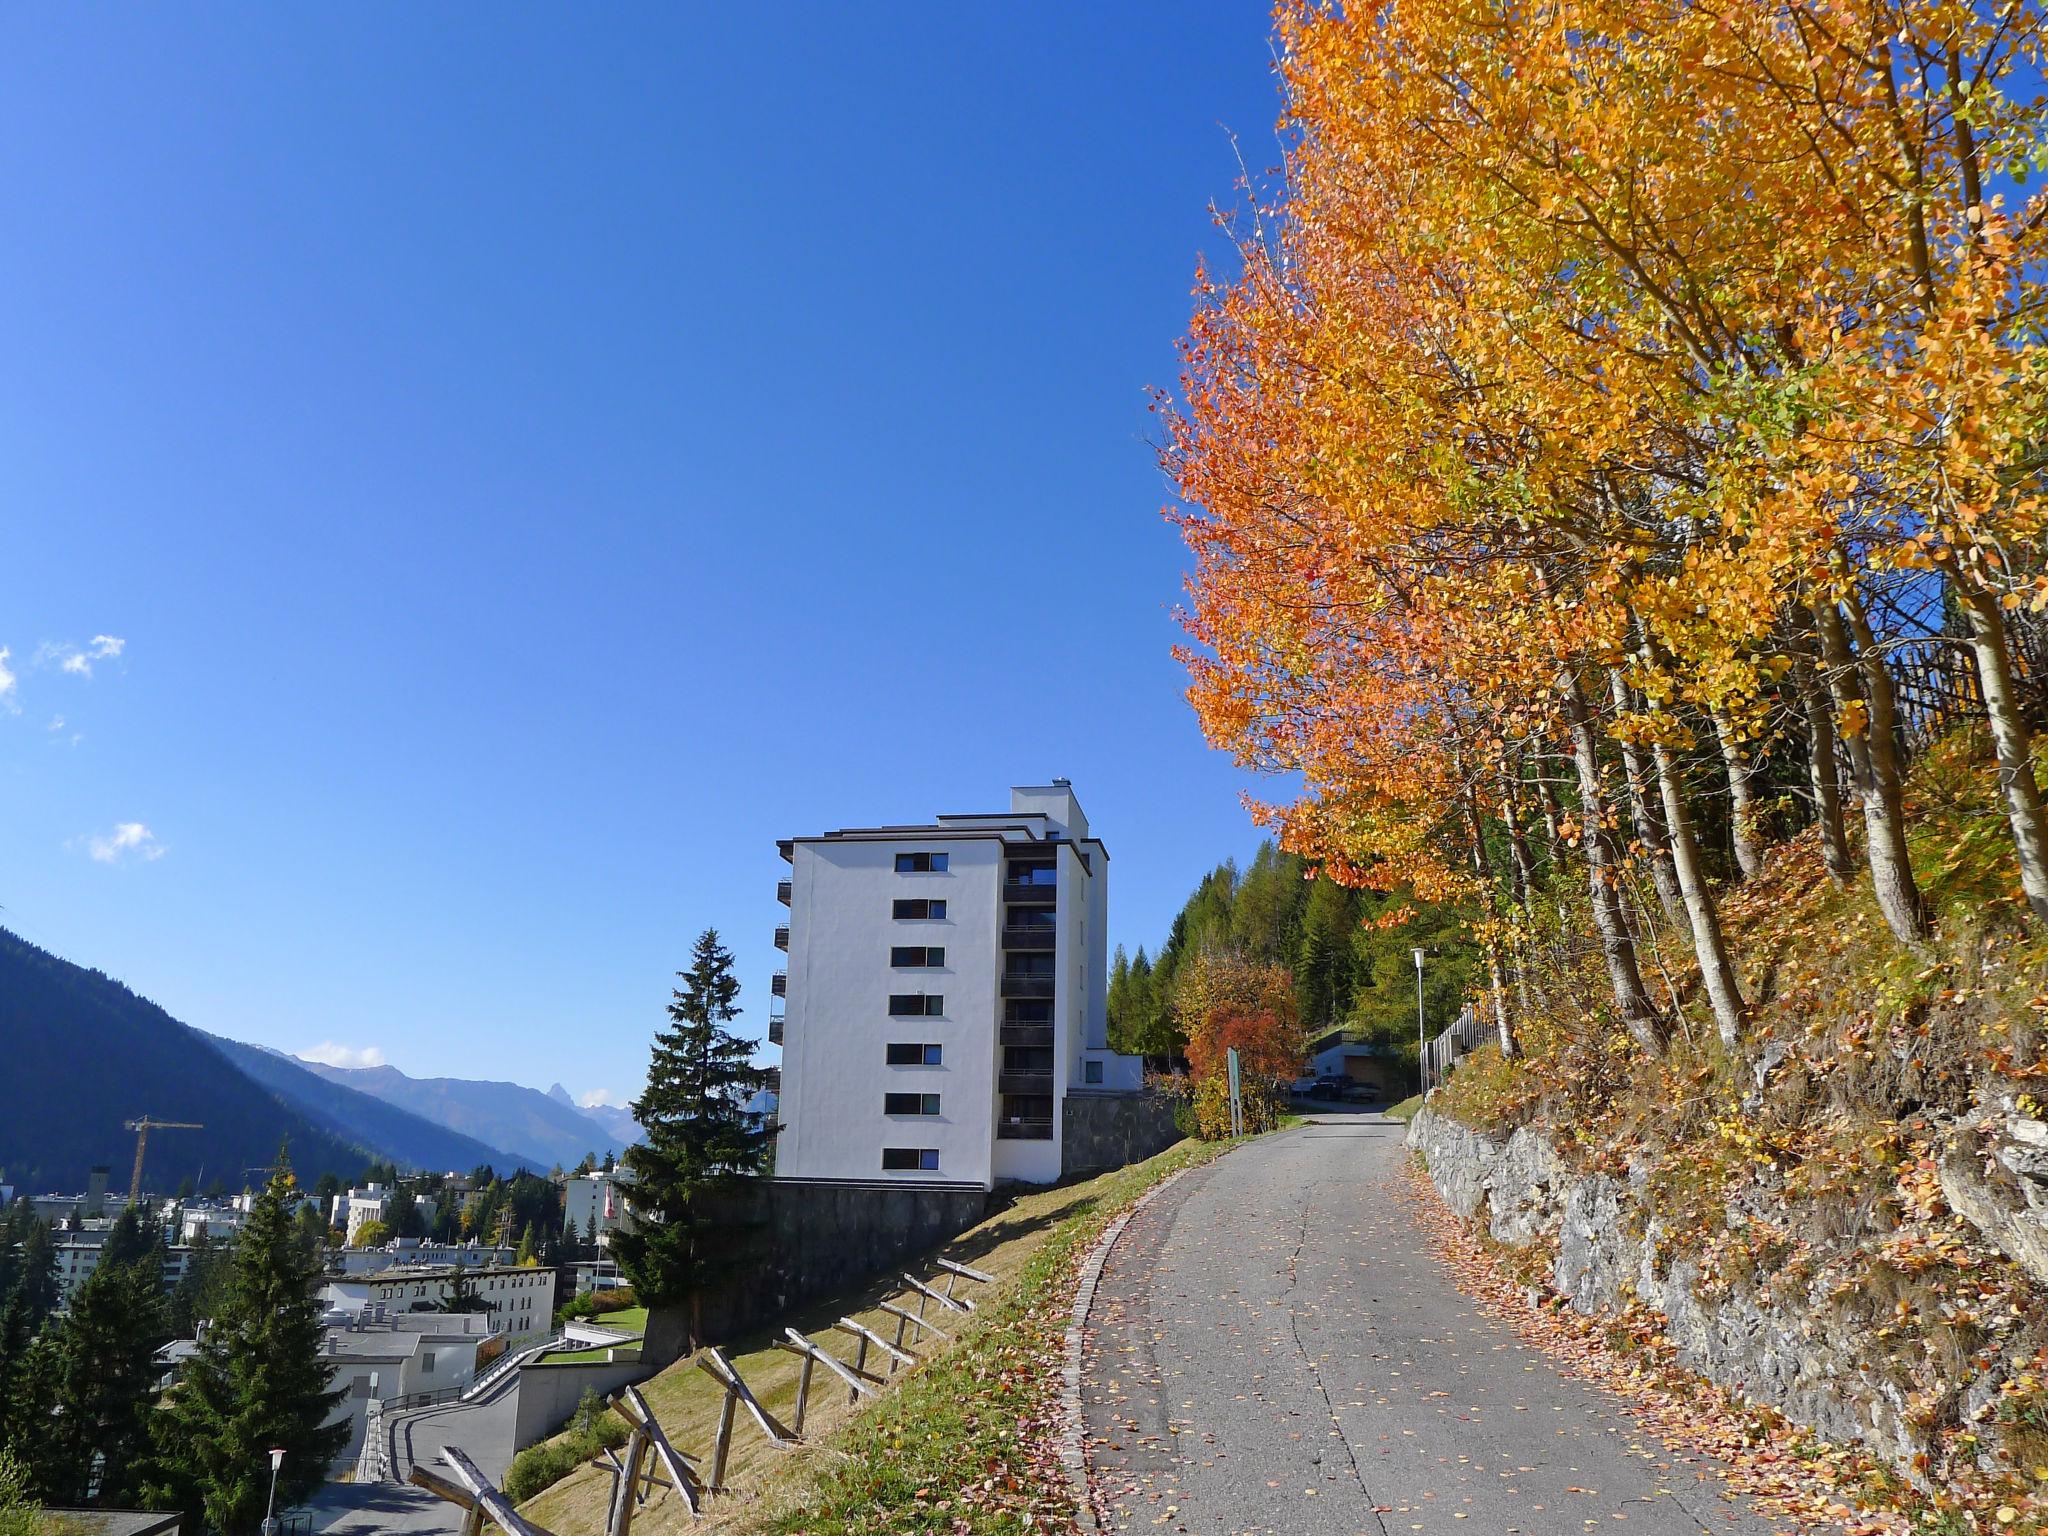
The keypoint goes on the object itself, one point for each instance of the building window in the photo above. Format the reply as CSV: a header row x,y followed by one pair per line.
x,y
916,956
427,1361
1091,1071
916,1005
912,1159
918,906
910,1103
1027,1058
920,863
913,1054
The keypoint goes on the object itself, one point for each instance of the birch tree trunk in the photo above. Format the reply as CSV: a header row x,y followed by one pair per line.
x,y
1861,679
1749,853
1596,835
1489,893
1709,944
1650,829
1826,777
2013,743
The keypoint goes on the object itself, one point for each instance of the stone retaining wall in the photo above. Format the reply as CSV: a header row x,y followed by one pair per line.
x,y
1771,1340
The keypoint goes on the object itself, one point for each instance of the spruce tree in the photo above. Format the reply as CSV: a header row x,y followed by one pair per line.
x,y
258,1381
38,1277
700,1141
106,1371
527,1255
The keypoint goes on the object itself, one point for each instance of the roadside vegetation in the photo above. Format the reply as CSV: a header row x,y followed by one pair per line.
x,y
1614,469
966,1442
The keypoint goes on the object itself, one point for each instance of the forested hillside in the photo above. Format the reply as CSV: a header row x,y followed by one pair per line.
x,y
1350,953
83,1054
406,1139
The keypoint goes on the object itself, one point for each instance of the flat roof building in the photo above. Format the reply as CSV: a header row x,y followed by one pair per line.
x,y
947,986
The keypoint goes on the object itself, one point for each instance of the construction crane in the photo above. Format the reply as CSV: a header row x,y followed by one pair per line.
x,y
142,1128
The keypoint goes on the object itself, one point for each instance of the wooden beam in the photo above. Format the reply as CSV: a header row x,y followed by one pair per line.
x,y
953,1303
493,1503
962,1269
903,1356
838,1367
895,1311
619,1515
677,1465
714,1362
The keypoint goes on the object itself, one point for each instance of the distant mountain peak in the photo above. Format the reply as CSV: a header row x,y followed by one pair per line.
x,y
561,1096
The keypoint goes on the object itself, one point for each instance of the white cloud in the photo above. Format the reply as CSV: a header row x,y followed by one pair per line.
x,y
56,723
76,660
602,1097
126,838
328,1054
7,700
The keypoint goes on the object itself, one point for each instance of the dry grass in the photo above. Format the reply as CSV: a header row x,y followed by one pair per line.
x,y
770,1485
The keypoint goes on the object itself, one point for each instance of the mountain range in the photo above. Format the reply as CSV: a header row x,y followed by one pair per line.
x,y
546,1128
85,1054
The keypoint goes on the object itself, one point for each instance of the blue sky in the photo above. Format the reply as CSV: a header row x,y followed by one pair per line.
x,y
475,477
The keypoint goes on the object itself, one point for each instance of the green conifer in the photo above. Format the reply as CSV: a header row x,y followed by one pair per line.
x,y
259,1381
700,1139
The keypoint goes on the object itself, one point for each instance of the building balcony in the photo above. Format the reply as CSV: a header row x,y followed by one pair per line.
x,y
1030,893
786,846
1024,1130
778,984
1022,986
1033,1082
782,892
775,1080
1030,938
782,937
776,1022
1039,1035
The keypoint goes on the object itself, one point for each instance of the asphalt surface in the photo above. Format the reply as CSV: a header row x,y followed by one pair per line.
x,y
1274,1349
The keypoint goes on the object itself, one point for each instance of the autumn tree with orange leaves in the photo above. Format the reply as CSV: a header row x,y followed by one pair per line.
x,y
1607,394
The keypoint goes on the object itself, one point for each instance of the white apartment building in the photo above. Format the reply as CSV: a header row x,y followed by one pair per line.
x,y
595,1201
371,1202
521,1298
947,986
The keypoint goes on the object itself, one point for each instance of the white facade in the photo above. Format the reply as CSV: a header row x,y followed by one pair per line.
x,y
904,1065
521,1298
595,1197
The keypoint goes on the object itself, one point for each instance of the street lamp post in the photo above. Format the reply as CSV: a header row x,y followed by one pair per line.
x,y
1421,1030
270,1508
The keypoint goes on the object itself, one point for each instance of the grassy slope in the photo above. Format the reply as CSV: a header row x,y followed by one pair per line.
x,y
1803,1163
940,1431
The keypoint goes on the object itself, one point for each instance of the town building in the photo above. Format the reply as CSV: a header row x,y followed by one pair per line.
x,y
78,1255
371,1202
412,1251
595,1201
946,991
518,1298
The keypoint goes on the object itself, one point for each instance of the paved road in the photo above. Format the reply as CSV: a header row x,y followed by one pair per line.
x,y
1275,1350
483,1429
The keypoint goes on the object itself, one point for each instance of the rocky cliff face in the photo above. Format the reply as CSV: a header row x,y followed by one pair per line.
x,y
1784,1338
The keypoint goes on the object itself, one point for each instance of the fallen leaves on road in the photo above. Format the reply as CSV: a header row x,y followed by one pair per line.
x,y
1784,1468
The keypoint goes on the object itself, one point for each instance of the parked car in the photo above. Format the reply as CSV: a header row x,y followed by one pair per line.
x,y
1304,1087
1329,1086
1359,1093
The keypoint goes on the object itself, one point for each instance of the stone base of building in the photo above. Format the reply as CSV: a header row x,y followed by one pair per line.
x,y
806,1238
1102,1129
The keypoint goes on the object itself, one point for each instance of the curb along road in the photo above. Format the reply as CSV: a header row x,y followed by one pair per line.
x,y
1074,1438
